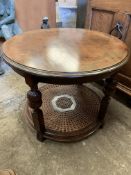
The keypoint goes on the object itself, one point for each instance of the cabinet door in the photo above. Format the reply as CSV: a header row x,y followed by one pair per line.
x,y
125,75
103,19
103,15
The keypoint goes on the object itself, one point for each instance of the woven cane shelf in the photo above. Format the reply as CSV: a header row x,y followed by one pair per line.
x,y
70,124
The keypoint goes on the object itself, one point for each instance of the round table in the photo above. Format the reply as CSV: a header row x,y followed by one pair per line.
x,y
64,109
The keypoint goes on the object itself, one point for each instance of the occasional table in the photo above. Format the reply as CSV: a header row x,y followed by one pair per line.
x,y
64,109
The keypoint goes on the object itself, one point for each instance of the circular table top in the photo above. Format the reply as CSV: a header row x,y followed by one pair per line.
x,y
65,52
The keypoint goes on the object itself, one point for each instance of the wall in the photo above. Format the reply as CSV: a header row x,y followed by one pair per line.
x,y
67,3
29,13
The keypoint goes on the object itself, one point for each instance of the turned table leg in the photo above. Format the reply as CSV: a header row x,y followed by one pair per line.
x,y
109,89
35,101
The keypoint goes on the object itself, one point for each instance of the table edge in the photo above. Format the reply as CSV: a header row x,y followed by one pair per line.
x,y
44,73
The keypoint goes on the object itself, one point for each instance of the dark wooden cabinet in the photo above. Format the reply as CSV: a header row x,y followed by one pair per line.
x,y
103,15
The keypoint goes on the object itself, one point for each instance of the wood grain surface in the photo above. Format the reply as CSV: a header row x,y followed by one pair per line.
x,y
65,50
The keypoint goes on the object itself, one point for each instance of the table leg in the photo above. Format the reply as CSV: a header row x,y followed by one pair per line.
x,y
35,101
109,89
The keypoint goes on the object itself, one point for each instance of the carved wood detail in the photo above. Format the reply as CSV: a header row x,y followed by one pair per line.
x,y
35,101
109,89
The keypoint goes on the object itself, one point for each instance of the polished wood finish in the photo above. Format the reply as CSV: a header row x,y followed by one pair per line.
x,y
102,16
65,56
30,13
48,52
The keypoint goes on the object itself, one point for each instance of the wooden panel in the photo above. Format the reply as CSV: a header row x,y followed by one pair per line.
x,y
127,68
112,5
30,13
101,20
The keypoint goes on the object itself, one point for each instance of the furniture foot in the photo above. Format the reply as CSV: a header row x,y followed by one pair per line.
x,y
35,101
1,71
40,137
129,101
102,125
109,89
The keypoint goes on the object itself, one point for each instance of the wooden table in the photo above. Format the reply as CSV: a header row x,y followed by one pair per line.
x,y
64,109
